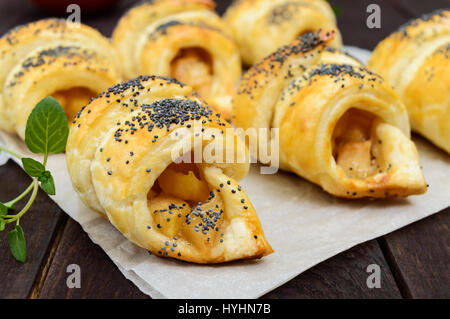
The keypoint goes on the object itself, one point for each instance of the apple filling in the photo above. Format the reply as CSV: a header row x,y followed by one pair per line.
x,y
193,66
73,99
356,149
184,206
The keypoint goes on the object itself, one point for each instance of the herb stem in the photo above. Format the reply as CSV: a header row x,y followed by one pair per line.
x,y
4,149
18,198
45,159
14,218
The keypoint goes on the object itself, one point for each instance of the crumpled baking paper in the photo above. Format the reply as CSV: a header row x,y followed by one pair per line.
x,y
304,225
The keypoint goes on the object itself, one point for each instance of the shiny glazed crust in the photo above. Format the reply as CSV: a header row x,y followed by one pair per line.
x,y
304,89
415,61
48,56
262,26
149,37
119,151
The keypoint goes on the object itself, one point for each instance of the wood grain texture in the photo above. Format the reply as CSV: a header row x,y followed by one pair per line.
x,y
419,255
39,224
343,276
100,278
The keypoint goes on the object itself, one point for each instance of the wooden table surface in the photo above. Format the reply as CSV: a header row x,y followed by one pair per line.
x,y
414,260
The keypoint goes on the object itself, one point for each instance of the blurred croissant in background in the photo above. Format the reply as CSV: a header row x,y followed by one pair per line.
x,y
340,125
51,58
260,27
415,60
184,39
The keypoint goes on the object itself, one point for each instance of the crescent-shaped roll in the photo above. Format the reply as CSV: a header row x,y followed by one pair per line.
x,y
415,60
73,63
122,156
184,39
340,125
260,27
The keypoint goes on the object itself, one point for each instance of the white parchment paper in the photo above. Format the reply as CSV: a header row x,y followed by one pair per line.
x,y
303,224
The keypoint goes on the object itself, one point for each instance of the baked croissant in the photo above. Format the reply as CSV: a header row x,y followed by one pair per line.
x,y
260,27
340,125
51,57
120,156
184,39
415,60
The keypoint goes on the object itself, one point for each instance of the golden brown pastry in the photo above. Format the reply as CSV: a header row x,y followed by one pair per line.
x,y
262,26
340,125
416,61
120,158
184,39
52,57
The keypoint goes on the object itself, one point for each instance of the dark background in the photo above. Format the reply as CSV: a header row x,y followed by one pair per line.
x,y
351,15
414,260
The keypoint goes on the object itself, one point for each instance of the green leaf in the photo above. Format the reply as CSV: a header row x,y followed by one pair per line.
x,y
17,244
3,210
2,225
32,167
47,128
47,183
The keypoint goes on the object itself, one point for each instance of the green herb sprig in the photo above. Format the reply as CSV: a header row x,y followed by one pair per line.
x,y
46,133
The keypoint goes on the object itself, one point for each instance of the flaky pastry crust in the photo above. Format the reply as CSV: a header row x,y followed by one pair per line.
x,y
52,57
184,39
415,60
260,27
340,125
120,158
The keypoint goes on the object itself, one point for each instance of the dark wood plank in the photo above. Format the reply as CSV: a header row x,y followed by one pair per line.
x,y
100,278
419,255
343,276
39,223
